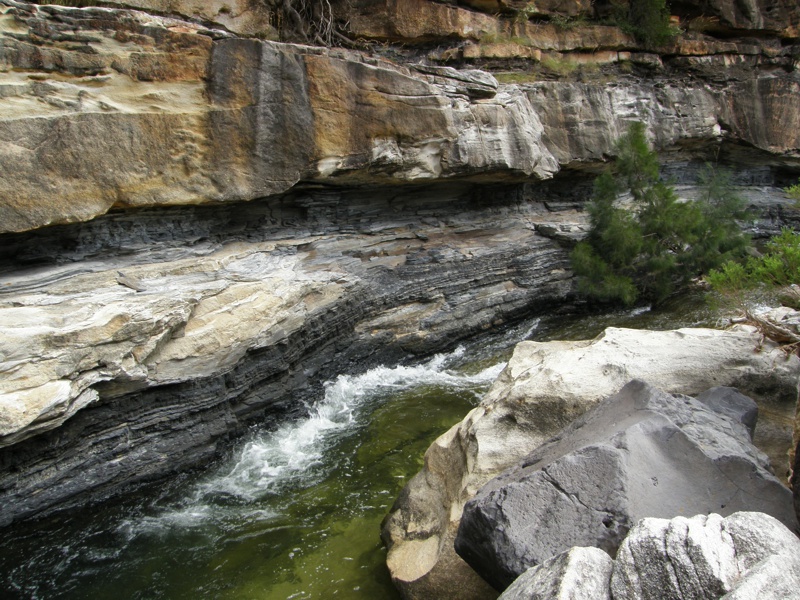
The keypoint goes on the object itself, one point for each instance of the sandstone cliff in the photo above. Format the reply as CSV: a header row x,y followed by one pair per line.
x,y
120,109
199,225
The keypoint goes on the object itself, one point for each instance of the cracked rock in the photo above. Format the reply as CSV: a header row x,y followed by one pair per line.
x,y
578,574
640,453
746,555
706,557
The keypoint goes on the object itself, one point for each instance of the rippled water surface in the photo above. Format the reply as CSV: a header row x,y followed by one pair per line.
x,y
294,511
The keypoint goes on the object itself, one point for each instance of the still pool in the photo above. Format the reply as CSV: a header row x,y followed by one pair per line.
x,y
295,510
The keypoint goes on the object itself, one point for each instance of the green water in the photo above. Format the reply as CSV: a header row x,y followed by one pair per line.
x,y
294,512
305,530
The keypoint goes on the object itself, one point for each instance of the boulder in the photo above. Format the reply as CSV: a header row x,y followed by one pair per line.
x,y
641,453
577,574
706,557
543,388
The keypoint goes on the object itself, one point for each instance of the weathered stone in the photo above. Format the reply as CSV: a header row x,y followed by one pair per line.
x,y
774,104
774,578
551,38
642,453
577,574
769,15
541,8
706,557
503,50
732,403
239,16
119,109
166,331
181,119
593,116
105,109
468,82
547,385
417,21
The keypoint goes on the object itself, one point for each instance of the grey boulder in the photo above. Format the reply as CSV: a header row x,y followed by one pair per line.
x,y
744,556
577,574
641,453
706,558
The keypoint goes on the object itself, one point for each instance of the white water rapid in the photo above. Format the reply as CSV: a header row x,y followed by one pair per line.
x,y
293,455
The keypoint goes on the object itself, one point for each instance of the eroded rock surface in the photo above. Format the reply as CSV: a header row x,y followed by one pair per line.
x,y
641,453
104,109
151,314
160,336
577,574
544,387
705,557
147,111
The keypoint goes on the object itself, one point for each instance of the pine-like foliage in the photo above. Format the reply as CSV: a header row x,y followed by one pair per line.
x,y
649,20
653,250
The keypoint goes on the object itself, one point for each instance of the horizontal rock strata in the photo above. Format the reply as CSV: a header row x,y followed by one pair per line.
x,y
156,114
146,358
107,109
198,227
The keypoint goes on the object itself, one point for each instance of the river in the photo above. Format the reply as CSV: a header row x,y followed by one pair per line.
x,y
294,510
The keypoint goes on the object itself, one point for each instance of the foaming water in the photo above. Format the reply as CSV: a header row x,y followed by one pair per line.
x,y
274,459
294,455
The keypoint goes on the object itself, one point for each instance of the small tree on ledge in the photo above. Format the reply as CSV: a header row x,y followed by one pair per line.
x,y
658,247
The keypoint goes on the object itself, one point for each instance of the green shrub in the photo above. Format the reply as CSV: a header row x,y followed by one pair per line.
x,y
650,22
646,20
663,243
526,12
793,191
559,66
565,23
777,267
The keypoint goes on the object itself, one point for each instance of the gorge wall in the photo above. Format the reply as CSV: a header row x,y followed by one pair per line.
x,y
199,226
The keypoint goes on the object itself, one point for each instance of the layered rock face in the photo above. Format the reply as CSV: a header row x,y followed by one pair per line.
x,y
198,227
149,111
154,112
146,358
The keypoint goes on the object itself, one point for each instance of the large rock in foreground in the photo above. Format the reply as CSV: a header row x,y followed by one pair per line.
x,y
544,387
641,453
577,574
746,555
